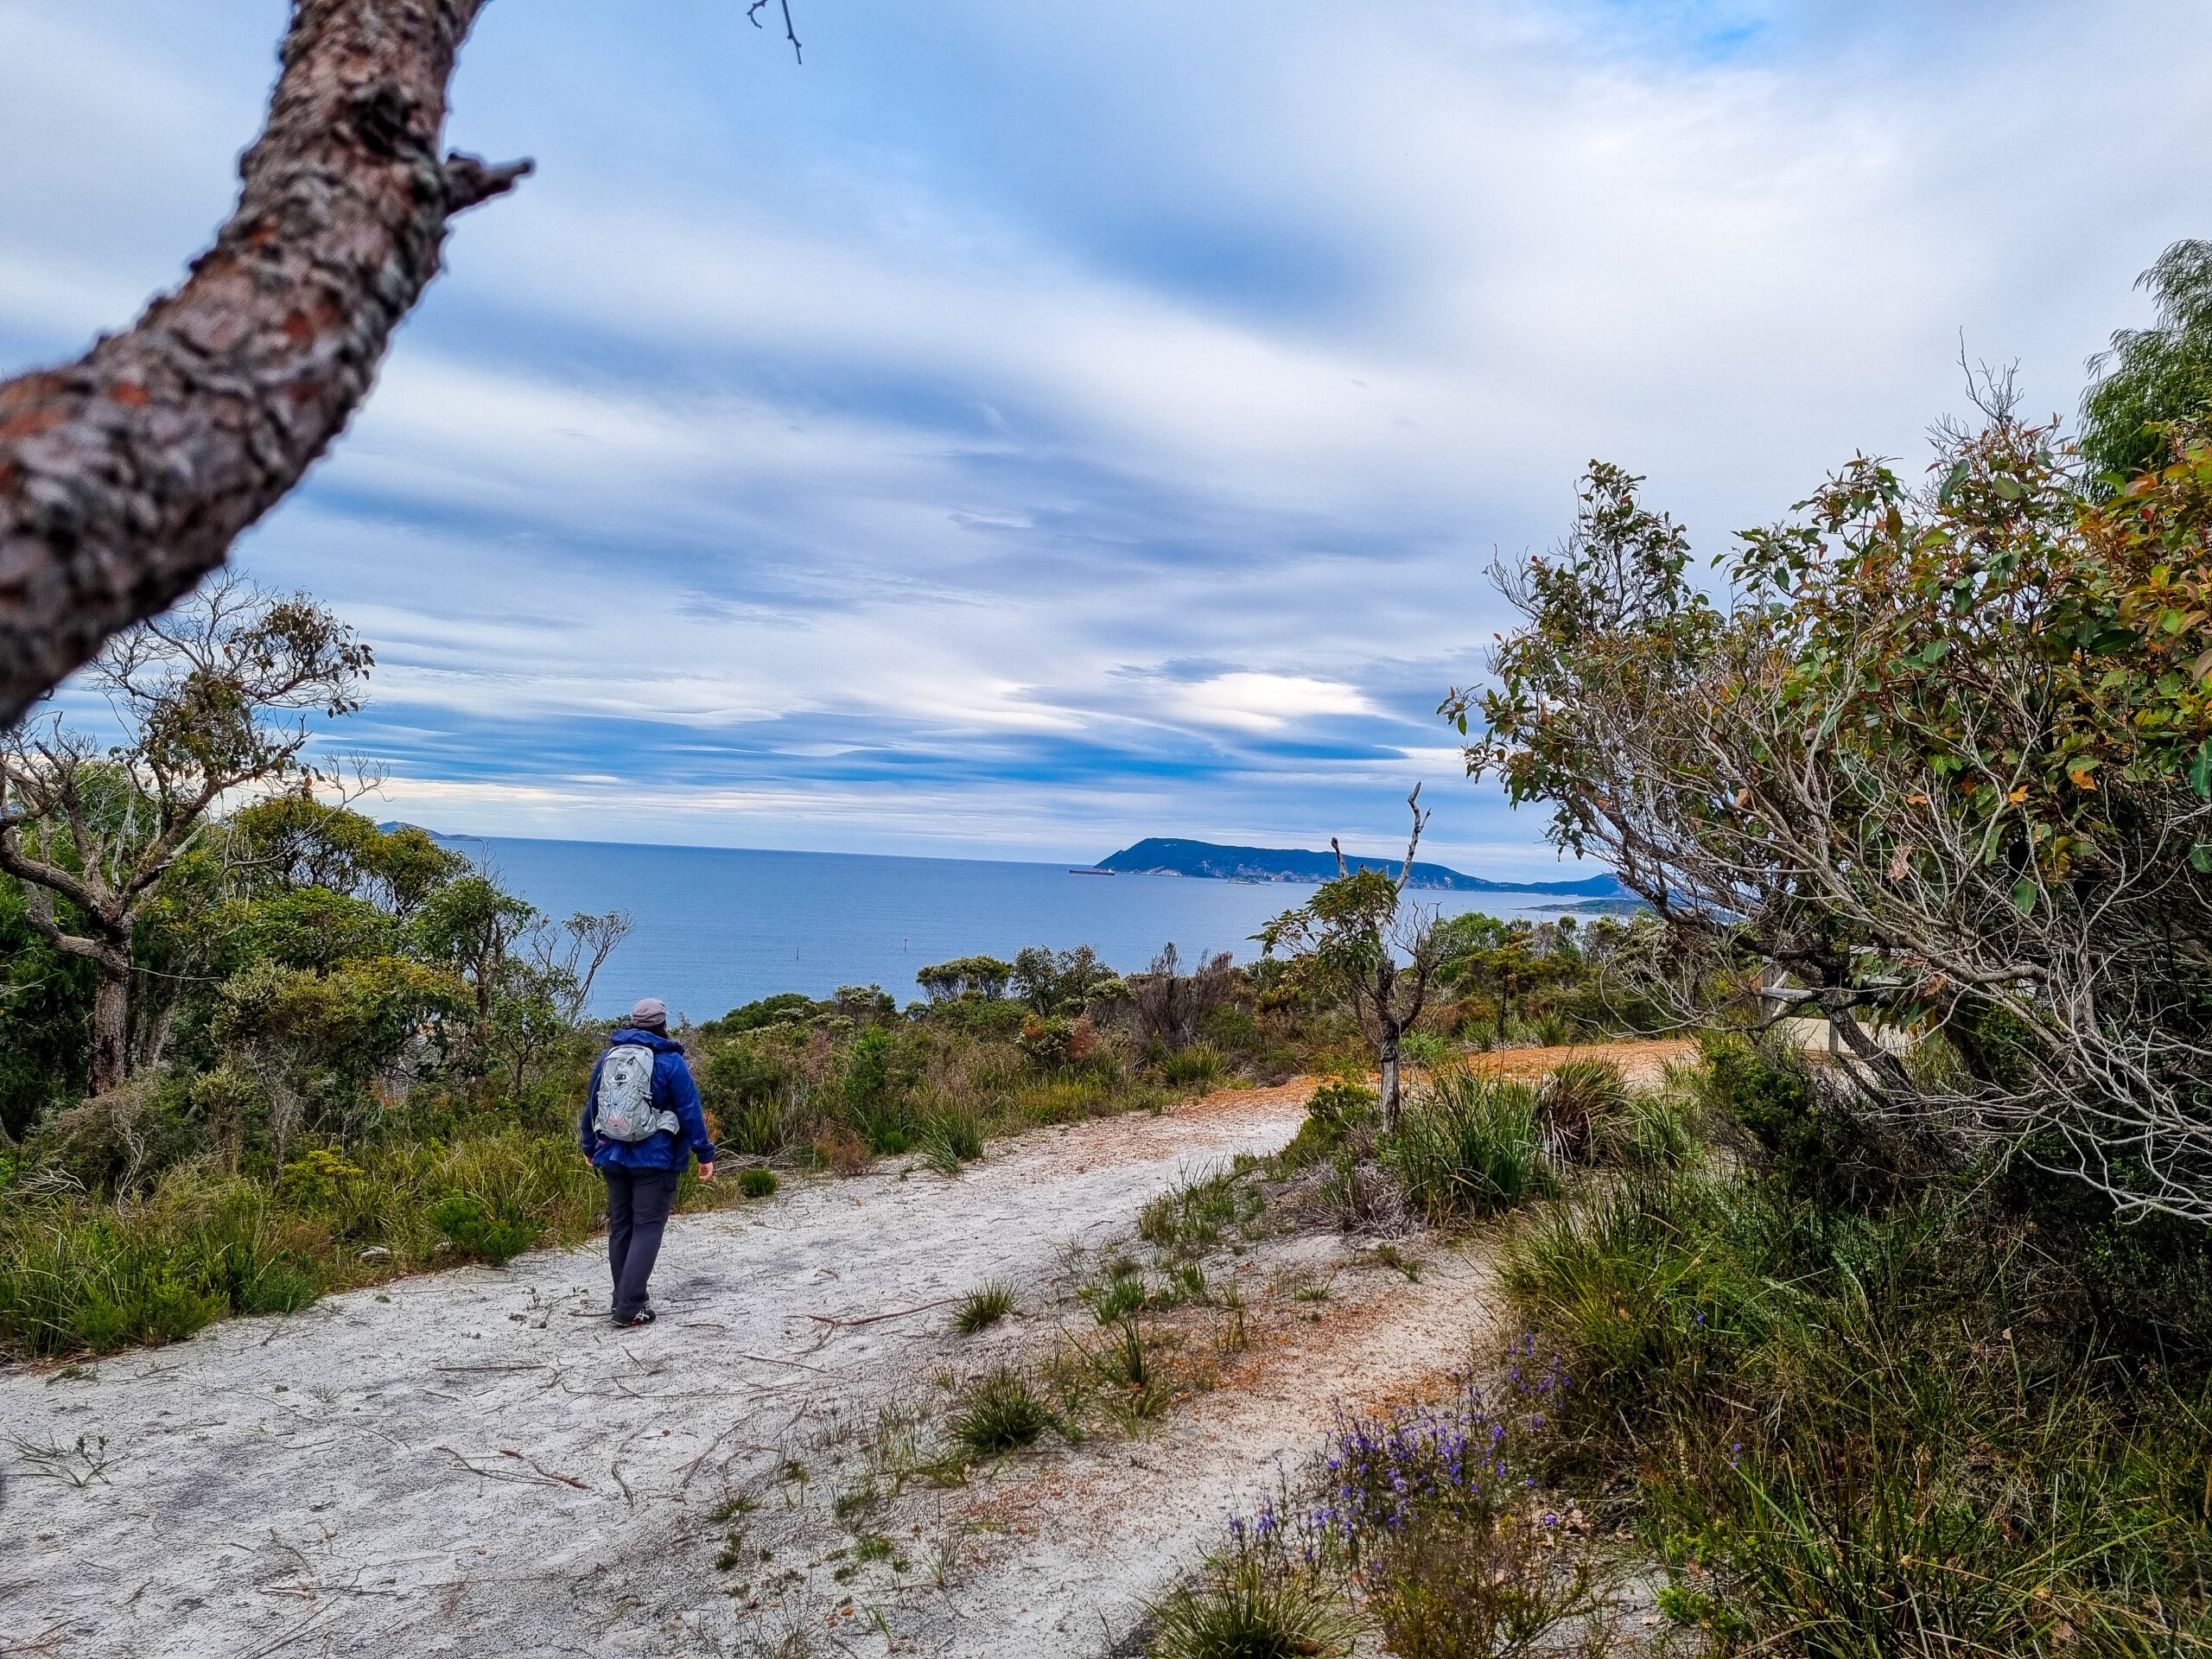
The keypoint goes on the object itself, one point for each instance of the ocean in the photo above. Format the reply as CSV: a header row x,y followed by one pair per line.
x,y
716,927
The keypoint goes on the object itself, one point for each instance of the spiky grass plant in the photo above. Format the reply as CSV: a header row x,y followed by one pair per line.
x,y
999,1412
1470,1145
1250,1604
757,1183
1575,1103
983,1307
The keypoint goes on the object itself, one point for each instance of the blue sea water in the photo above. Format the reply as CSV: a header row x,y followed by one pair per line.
x,y
715,927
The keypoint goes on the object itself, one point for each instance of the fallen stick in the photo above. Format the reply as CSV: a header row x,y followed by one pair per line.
x,y
542,1478
877,1319
541,1366
769,1359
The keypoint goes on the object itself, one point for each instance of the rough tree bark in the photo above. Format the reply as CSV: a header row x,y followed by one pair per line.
x,y
105,942
127,475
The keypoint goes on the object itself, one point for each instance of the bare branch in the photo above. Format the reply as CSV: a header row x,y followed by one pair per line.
x,y
126,476
753,15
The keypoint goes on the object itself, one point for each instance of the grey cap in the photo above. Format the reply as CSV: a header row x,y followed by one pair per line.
x,y
649,1011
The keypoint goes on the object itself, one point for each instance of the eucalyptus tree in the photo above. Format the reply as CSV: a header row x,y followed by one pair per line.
x,y
218,698
1379,954
1935,758
2150,376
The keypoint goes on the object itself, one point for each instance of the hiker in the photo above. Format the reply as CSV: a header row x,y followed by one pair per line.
x,y
641,1125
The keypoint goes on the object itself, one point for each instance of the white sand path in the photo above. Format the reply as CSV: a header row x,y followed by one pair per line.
x,y
475,1467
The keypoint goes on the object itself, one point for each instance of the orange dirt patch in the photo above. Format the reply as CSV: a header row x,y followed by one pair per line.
x,y
1644,1061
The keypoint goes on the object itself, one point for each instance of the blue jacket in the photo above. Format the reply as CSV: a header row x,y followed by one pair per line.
x,y
673,1092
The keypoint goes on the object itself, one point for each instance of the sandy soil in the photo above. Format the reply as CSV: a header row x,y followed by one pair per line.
x,y
1643,1063
475,1464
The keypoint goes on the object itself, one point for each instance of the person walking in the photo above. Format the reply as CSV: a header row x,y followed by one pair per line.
x,y
641,1125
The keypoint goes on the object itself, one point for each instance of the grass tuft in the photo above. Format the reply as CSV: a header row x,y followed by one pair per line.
x,y
999,1412
1575,1101
983,1307
1470,1145
757,1183
1249,1606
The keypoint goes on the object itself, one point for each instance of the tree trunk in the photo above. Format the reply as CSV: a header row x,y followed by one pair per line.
x,y
125,476
111,1057
1388,1050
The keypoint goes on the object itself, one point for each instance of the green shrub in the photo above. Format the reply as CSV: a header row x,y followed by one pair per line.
x,y
1249,1604
1816,1146
1115,1299
1551,1030
1575,1101
315,1179
983,1307
1192,1218
947,1137
1653,1131
757,1183
80,1275
999,1412
492,1230
1198,1066
1424,1048
1468,1144
1338,1111
1875,1437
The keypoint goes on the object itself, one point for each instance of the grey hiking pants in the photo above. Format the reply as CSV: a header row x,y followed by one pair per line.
x,y
637,1202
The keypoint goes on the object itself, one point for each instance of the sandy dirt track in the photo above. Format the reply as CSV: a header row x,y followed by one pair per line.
x,y
476,1462
470,1467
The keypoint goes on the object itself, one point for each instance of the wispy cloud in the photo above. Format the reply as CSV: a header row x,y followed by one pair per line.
x,y
1026,428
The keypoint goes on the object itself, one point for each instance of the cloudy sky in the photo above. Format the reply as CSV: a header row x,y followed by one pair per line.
x,y
1029,426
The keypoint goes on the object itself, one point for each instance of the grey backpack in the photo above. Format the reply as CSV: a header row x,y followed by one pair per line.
x,y
623,1108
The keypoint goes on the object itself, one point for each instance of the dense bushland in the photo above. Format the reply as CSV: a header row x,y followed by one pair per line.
x,y
1908,1351
1819,1399
1866,1413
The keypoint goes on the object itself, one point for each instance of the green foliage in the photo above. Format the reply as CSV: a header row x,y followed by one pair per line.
x,y
317,1178
81,1276
984,1307
999,1412
1958,725
46,1000
785,1008
490,1230
1468,1144
77,1273
1654,1131
747,1088
1817,1147
2156,376
1117,1298
113,1144
1337,1113
985,978
757,1183
1575,1103
1248,1604
948,1136
1064,982
1054,1041
1875,1434
1190,1219
1507,964
1198,1066
310,929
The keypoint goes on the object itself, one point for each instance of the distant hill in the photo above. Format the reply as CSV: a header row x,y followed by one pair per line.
x,y
1161,856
